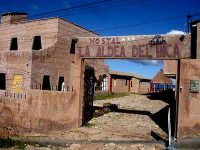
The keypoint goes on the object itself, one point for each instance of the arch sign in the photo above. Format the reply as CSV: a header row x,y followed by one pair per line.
x,y
136,47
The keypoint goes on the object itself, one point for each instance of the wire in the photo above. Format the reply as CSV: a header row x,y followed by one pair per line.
x,y
74,7
119,3
126,26
132,25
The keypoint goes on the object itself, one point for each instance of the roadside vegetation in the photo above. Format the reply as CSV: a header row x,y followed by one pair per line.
x,y
8,142
88,125
104,96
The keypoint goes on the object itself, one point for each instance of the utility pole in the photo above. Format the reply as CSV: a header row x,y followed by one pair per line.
x,y
189,20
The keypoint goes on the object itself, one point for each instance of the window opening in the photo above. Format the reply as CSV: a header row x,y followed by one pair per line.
x,y
46,83
14,44
37,45
2,81
60,82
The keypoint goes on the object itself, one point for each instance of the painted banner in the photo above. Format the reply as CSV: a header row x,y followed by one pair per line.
x,y
17,83
136,47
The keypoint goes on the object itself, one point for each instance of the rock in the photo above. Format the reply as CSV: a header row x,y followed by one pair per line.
x,y
29,147
54,148
111,144
106,110
138,147
42,148
107,104
74,146
67,145
159,147
98,113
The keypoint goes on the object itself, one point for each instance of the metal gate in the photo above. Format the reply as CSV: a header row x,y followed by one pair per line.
x,y
89,80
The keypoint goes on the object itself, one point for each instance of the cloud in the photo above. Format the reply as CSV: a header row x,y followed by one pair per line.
x,y
33,6
147,62
177,32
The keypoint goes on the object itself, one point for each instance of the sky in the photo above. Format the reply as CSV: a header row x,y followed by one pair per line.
x,y
116,17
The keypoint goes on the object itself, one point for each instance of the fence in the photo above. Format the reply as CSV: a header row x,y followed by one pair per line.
x,y
67,88
13,95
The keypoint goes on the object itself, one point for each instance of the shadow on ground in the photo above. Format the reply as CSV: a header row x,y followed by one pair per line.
x,y
160,117
167,96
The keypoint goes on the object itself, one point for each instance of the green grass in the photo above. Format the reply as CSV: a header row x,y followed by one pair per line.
x,y
109,96
88,125
8,142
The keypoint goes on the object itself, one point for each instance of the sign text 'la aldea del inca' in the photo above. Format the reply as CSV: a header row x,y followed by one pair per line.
x,y
136,47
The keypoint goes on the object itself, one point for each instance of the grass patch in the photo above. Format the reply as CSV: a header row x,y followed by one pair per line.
x,y
109,96
20,146
8,142
88,125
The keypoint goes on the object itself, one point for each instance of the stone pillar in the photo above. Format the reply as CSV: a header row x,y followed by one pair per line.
x,y
76,75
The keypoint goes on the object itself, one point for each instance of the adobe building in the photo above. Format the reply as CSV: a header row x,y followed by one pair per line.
x,y
160,82
38,56
38,52
127,82
37,61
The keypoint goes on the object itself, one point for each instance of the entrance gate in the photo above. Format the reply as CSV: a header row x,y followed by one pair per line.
x,y
89,80
167,47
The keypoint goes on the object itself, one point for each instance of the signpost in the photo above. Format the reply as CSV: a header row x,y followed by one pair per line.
x,y
135,47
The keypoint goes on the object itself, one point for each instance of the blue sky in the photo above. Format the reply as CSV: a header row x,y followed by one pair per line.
x,y
130,16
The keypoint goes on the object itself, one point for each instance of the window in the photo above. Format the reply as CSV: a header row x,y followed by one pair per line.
x,y
73,46
2,81
104,84
131,84
14,44
126,82
37,43
46,83
60,82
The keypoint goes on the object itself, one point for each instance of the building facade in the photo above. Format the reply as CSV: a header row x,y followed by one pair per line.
x,y
40,74
161,82
126,82
36,54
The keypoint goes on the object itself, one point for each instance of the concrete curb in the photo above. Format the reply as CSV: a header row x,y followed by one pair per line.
x,y
64,143
189,143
